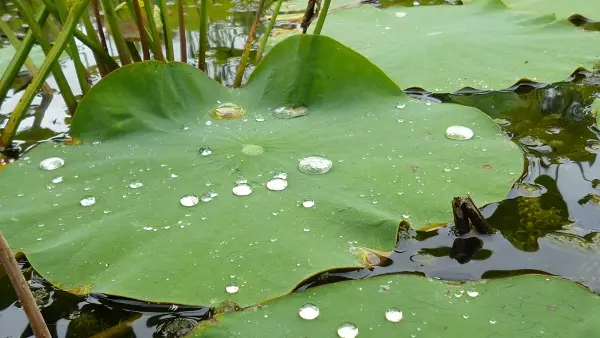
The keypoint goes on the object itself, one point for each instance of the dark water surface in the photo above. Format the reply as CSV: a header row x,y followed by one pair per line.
x,y
549,222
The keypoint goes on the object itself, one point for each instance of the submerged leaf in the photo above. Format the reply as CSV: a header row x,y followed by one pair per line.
x,y
192,209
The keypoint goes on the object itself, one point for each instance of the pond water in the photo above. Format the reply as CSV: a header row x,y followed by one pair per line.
x,y
547,224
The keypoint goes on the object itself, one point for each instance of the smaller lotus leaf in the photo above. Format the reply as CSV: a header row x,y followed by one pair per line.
x,y
525,306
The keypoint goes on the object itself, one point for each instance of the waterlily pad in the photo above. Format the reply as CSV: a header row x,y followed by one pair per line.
x,y
525,306
153,205
481,44
562,8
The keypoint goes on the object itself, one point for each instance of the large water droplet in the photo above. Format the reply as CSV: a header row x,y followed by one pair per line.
x,y
309,311
189,200
205,151
277,184
347,330
52,163
282,175
393,315
315,165
459,133
57,179
290,112
400,14
242,189
206,198
308,203
472,293
87,201
227,111
232,288
135,184
492,321
259,118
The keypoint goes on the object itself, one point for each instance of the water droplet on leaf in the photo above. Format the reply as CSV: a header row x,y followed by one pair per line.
x,y
400,14
205,151
52,163
232,288
57,179
308,311
393,315
227,111
277,184
290,112
308,203
189,200
347,330
315,165
242,189
135,184
87,201
472,293
459,133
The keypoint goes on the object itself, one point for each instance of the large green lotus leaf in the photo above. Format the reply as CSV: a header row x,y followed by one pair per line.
x,y
481,44
525,306
151,120
562,8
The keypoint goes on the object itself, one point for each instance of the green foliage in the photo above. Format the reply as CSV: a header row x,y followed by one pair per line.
x,y
525,306
482,44
389,163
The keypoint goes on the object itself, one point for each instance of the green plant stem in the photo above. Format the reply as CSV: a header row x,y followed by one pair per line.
x,y
80,70
181,22
35,34
50,61
203,43
246,54
96,9
265,37
140,25
10,264
101,50
111,16
135,55
155,37
20,56
17,44
322,16
167,35
91,34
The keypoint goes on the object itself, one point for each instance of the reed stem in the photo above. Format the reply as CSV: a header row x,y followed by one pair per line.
x,y
35,34
96,10
8,261
167,35
80,70
140,25
50,61
203,43
149,8
265,37
181,22
111,17
17,44
322,17
246,54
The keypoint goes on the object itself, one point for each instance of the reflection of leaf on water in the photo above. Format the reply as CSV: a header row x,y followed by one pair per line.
x,y
523,220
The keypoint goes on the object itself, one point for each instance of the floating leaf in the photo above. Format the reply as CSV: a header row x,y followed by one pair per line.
x,y
412,306
561,8
481,44
203,216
